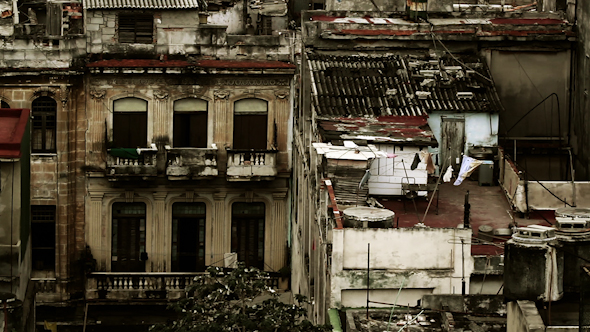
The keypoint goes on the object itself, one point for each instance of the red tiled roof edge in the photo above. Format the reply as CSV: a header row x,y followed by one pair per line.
x,y
221,64
10,147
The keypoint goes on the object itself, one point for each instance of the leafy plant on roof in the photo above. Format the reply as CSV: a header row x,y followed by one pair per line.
x,y
238,300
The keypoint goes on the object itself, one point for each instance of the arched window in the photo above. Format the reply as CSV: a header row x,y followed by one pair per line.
x,y
4,104
250,124
130,123
247,233
190,123
128,248
188,237
44,111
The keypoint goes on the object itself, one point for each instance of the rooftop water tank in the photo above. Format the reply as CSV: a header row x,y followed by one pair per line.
x,y
368,217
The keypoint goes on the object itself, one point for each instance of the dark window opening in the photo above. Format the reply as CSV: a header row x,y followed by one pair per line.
x,y
250,124
130,123
190,123
264,25
128,237
136,28
44,111
4,104
247,233
188,237
43,236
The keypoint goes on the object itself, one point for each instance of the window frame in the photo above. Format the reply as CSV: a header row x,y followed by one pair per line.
x,y
241,138
125,113
43,114
198,141
37,217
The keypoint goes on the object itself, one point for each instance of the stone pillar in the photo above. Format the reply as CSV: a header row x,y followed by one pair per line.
x,y
276,233
96,230
220,231
158,234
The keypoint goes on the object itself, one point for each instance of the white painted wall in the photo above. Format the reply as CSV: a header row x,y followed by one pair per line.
x,y
481,129
540,199
425,260
388,174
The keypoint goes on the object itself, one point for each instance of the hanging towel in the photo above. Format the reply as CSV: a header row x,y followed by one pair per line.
x,y
427,159
448,174
415,162
468,165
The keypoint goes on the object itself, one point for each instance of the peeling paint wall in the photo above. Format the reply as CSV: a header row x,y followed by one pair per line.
x,y
395,259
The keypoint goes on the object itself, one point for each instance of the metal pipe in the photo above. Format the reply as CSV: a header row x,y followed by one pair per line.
x,y
368,277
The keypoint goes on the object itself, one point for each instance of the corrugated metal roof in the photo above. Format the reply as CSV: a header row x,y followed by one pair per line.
x,y
145,4
396,85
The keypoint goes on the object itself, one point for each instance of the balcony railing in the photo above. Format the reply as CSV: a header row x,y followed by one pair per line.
x,y
146,285
132,162
244,165
190,163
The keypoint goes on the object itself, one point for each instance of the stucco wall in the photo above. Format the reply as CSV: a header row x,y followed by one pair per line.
x,y
395,259
384,5
523,79
523,316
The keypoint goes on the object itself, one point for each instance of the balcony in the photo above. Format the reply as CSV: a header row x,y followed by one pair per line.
x,y
251,165
191,163
144,285
131,163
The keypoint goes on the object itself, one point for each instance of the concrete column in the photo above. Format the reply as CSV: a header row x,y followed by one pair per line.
x,y
157,235
96,230
220,230
276,233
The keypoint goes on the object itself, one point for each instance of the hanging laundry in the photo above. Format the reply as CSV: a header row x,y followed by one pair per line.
x,y
448,174
468,165
415,162
426,158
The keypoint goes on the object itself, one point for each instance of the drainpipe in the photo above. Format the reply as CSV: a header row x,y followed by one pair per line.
x,y
573,172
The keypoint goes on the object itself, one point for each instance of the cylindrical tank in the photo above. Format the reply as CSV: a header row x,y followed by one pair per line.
x,y
533,267
573,234
368,217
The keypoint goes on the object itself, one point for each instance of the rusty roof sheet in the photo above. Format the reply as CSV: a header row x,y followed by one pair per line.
x,y
399,85
13,123
145,4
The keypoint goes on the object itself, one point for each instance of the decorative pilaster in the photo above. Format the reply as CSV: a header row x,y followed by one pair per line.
x,y
220,230
159,232
96,127
222,117
96,230
276,234
162,115
281,120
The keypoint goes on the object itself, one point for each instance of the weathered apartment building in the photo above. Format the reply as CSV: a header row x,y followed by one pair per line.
x,y
161,140
412,78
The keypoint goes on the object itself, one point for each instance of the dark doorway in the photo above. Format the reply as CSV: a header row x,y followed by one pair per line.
x,y
128,241
188,237
248,233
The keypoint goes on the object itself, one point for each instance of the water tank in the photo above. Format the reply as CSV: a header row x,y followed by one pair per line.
x,y
573,234
533,267
368,217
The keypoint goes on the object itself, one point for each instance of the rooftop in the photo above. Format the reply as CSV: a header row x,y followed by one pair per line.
x,y
145,4
13,123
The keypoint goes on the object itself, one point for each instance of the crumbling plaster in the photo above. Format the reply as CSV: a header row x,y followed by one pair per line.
x,y
395,258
